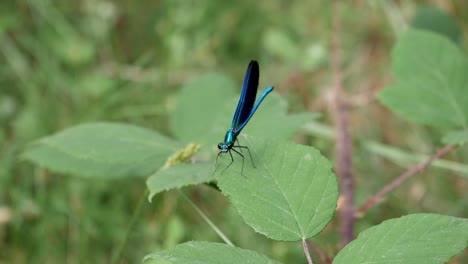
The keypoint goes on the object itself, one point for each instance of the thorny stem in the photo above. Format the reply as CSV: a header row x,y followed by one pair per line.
x,y
343,164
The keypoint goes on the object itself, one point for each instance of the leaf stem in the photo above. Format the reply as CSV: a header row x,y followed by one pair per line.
x,y
306,251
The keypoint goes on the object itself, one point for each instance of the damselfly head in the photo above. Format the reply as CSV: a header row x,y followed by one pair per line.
x,y
225,147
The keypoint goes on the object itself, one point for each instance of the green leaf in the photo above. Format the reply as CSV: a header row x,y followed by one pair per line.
x,y
271,119
436,20
418,238
179,176
431,80
206,253
103,150
290,195
456,137
211,101
198,105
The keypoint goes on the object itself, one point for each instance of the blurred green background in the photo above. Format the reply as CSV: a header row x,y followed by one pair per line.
x,y
68,62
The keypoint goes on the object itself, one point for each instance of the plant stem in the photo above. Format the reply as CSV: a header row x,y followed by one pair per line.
x,y
207,220
118,254
343,138
306,251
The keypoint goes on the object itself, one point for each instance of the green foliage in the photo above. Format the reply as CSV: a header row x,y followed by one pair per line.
x,y
418,238
102,150
434,19
65,63
178,177
205,252
290,195
431,81
202,99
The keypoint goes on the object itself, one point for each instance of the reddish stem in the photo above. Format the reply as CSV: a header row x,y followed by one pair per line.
x,y
343,138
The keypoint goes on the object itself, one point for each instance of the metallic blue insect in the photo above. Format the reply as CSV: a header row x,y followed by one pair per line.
x,y
246,108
